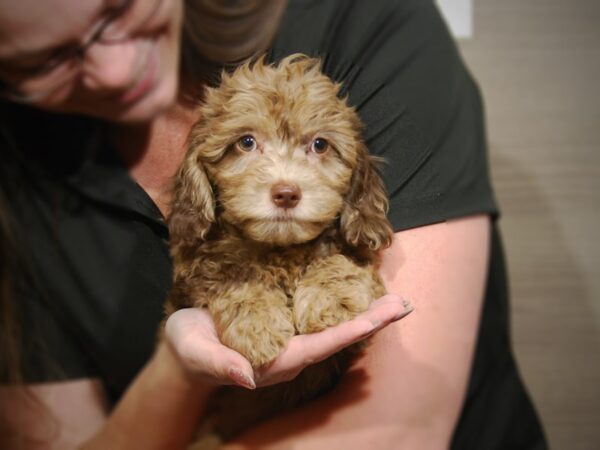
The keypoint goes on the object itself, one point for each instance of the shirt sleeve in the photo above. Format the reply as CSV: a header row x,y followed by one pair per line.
x,y
100,274
50,352
95,256
422,110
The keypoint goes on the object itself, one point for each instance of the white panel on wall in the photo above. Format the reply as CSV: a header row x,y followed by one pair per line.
x,y
459,15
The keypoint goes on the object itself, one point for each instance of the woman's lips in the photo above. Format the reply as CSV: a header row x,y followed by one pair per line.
x,y
145,82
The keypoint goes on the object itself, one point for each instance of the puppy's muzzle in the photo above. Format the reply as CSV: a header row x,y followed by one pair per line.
x,y
285,195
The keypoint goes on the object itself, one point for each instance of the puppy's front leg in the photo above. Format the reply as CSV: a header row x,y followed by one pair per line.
x,y
254,320
333,290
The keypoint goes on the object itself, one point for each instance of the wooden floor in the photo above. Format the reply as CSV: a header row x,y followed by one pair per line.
x,y
538,64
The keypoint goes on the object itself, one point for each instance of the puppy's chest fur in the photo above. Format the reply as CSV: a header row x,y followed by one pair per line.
x,y
260,296
229,261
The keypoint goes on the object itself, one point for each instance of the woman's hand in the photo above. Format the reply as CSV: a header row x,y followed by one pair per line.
x,y
306,349
192,334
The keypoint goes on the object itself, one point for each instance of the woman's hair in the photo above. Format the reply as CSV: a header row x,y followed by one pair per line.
x,y
10,354
12,270
220,34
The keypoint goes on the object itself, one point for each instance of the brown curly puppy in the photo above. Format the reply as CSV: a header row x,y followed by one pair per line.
x,y
277,217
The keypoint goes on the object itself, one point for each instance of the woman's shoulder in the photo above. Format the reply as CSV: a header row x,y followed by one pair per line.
x,y
345,27
422,111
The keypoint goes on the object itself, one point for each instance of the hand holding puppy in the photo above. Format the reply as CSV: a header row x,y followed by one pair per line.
x,y
192,334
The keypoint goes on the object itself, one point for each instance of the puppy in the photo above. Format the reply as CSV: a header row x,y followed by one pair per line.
x,y
277,218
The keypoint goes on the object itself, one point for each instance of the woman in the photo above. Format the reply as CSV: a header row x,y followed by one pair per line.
x,y
96,193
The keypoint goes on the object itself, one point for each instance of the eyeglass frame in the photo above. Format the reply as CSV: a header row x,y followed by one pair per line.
x,y
75,55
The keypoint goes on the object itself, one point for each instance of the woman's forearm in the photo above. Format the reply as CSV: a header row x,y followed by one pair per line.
x,y
374,406
160,410
407,390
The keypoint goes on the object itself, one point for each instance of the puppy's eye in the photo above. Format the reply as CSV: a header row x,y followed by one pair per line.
x,y
247,143
319,145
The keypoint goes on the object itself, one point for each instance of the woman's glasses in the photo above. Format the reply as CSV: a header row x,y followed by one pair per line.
x,y
128,19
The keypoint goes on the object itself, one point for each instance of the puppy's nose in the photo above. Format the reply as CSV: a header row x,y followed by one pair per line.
x,y
285,195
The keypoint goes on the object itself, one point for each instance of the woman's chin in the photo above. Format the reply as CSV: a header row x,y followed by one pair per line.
x,y
282,233
145,108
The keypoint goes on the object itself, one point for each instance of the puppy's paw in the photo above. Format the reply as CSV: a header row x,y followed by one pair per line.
x,y
317,308
332,291
260,335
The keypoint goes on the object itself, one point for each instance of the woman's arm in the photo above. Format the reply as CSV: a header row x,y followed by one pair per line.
x,y
407,391
159,411
52,415
162,407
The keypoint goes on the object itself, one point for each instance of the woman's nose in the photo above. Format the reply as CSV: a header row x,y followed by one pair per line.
x,y
111,67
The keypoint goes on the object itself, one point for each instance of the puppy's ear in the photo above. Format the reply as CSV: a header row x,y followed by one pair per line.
x,y
363,218
193,204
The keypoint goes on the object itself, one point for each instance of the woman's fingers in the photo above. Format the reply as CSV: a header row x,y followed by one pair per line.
x,y
192,334
303,350
386,309
215,363
190,321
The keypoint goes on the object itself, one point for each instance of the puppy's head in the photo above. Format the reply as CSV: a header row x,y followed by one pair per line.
x,y
279,155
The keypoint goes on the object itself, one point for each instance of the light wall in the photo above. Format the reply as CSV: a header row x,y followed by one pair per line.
x,y
538,64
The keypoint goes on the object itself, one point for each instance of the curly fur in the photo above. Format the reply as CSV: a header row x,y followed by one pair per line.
x,y
265,271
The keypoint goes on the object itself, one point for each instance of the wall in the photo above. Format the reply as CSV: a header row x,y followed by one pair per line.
x,y
538,64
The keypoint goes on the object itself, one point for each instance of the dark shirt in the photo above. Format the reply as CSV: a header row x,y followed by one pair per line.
x,y
98,244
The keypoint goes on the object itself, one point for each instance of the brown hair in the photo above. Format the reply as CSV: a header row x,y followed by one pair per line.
x,y
221,34
12,269
10,355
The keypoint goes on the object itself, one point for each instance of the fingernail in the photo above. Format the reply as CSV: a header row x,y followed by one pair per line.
x,y
239,377
375,325
408,308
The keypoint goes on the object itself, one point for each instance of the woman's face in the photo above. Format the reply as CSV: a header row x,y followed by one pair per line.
x,y
113,59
